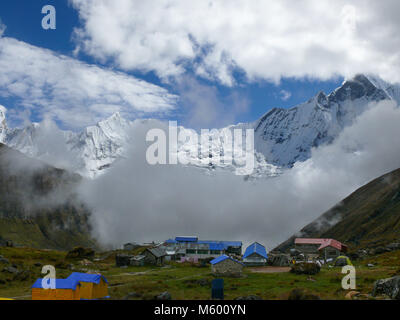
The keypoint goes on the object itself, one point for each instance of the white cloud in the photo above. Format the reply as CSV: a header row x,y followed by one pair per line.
x,y
285,95
266,39
73,92
134,199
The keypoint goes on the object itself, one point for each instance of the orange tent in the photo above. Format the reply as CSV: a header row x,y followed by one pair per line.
x,y
65,289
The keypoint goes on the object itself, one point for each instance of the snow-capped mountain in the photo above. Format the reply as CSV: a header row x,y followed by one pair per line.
x,y
3,124
285,136
282,136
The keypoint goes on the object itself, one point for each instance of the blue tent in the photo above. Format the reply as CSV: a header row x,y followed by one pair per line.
x,y
255,248
86,277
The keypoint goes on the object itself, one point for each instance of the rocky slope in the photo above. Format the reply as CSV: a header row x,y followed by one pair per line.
x,y
369,217
38,207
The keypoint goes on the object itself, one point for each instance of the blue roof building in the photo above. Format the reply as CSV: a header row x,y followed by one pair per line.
x,y
255,254
192,247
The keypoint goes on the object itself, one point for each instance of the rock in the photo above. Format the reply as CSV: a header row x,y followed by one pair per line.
x,y
80,253
132,295
300,294
10,269
4,260
22,275
351,294
389,287
86,262
393,246
163,296
250,297
309,268
380,250
203,282
370,265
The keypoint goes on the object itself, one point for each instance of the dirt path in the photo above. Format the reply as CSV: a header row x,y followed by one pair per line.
x,y
270,269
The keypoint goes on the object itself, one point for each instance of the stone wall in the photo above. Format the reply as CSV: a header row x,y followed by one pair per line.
x,y
227,267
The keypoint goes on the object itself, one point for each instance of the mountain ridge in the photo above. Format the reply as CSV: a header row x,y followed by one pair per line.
x,y
282,136
368,217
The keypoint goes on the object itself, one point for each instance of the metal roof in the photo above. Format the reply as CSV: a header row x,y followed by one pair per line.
x,y
322,242
87,277
256,248
216,246
157,252
186,239
222,258
171,241
60,284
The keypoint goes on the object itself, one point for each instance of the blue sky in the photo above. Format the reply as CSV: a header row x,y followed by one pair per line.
x,y
22,19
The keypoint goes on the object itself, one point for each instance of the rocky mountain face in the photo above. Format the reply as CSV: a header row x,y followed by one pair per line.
x,y
282,136
38,204
368,218
286,136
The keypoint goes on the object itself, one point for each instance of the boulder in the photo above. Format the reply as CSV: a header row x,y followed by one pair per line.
x,y
163,296
393,246
250,297
132,295
380,250
351,294
22,275
4,260
301,294
81,253
389,287
309,268
10,269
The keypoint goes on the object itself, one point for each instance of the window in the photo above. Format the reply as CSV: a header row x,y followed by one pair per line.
x,y
190,251
202,251
215,251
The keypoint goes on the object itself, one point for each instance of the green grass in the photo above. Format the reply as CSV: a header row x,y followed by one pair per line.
x,y
180,279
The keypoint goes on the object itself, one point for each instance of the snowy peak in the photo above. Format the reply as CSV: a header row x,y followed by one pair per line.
x,y
358,87
282,136
285,136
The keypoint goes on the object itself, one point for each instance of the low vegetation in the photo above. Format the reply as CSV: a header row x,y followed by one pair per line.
x,y
187,281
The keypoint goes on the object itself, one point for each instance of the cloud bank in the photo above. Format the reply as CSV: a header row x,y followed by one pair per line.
x,y
264,39
134,201
72,92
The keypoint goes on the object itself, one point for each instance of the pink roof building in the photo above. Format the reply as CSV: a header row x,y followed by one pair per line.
x,y
323,243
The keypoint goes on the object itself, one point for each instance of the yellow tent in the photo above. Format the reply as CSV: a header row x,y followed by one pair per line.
x,y
93,286
342,261
65,289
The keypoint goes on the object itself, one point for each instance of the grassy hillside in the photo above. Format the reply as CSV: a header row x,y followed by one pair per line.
x,y
38,207
186,281
369,217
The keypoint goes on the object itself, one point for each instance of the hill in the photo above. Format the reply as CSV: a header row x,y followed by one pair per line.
x,y
38,207
369,217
